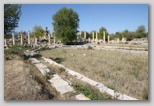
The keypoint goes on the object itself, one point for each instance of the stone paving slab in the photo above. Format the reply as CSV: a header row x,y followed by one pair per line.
x,y
34,61
46,69
81,97
55,76
58,82
61,85
40,65
64,89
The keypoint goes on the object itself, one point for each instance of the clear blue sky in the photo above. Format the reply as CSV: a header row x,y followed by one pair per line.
x,y
114,17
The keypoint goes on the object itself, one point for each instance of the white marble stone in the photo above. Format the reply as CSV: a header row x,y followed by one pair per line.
x,y
60,85
101,87
34,61
91,82
81,97
40,65
42,71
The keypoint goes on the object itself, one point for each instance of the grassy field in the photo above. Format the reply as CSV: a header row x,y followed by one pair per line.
x,y
123,72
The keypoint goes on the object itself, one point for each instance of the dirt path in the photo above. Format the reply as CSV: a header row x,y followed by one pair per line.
x,y
19,82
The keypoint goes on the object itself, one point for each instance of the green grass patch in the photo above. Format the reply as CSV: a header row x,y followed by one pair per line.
x,y
90,48
89,92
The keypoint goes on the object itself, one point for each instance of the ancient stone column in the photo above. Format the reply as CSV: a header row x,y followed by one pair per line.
x,y
84,35
21,41
104,36
96,39
93,36
54,40
49,39
29,37
13,38
108,39
96,36
117,40
35,41
5,42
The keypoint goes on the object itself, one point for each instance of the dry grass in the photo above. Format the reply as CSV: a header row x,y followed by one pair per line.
x,y
22,81
123,72
79,86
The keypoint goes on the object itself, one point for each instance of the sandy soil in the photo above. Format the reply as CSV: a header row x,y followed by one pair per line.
x,y
19,82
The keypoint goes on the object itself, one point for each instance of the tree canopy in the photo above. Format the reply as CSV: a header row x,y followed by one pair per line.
x,y
12,13
37,31
66,22
100,34
140,32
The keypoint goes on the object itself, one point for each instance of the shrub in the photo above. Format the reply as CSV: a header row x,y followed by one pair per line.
x,y
90,48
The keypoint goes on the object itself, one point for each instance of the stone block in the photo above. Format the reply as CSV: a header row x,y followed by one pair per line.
x,y
34,61
81,97
40,65
42,71
64,89
91,82
58,82
101,87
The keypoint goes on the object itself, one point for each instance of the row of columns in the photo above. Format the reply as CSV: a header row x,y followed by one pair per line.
x,y
96,37
29,41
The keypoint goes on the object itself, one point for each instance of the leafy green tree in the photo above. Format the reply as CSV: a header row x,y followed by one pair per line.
x,y
66,22
12,13
91,34
141,31
100,34
125,33
37,31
